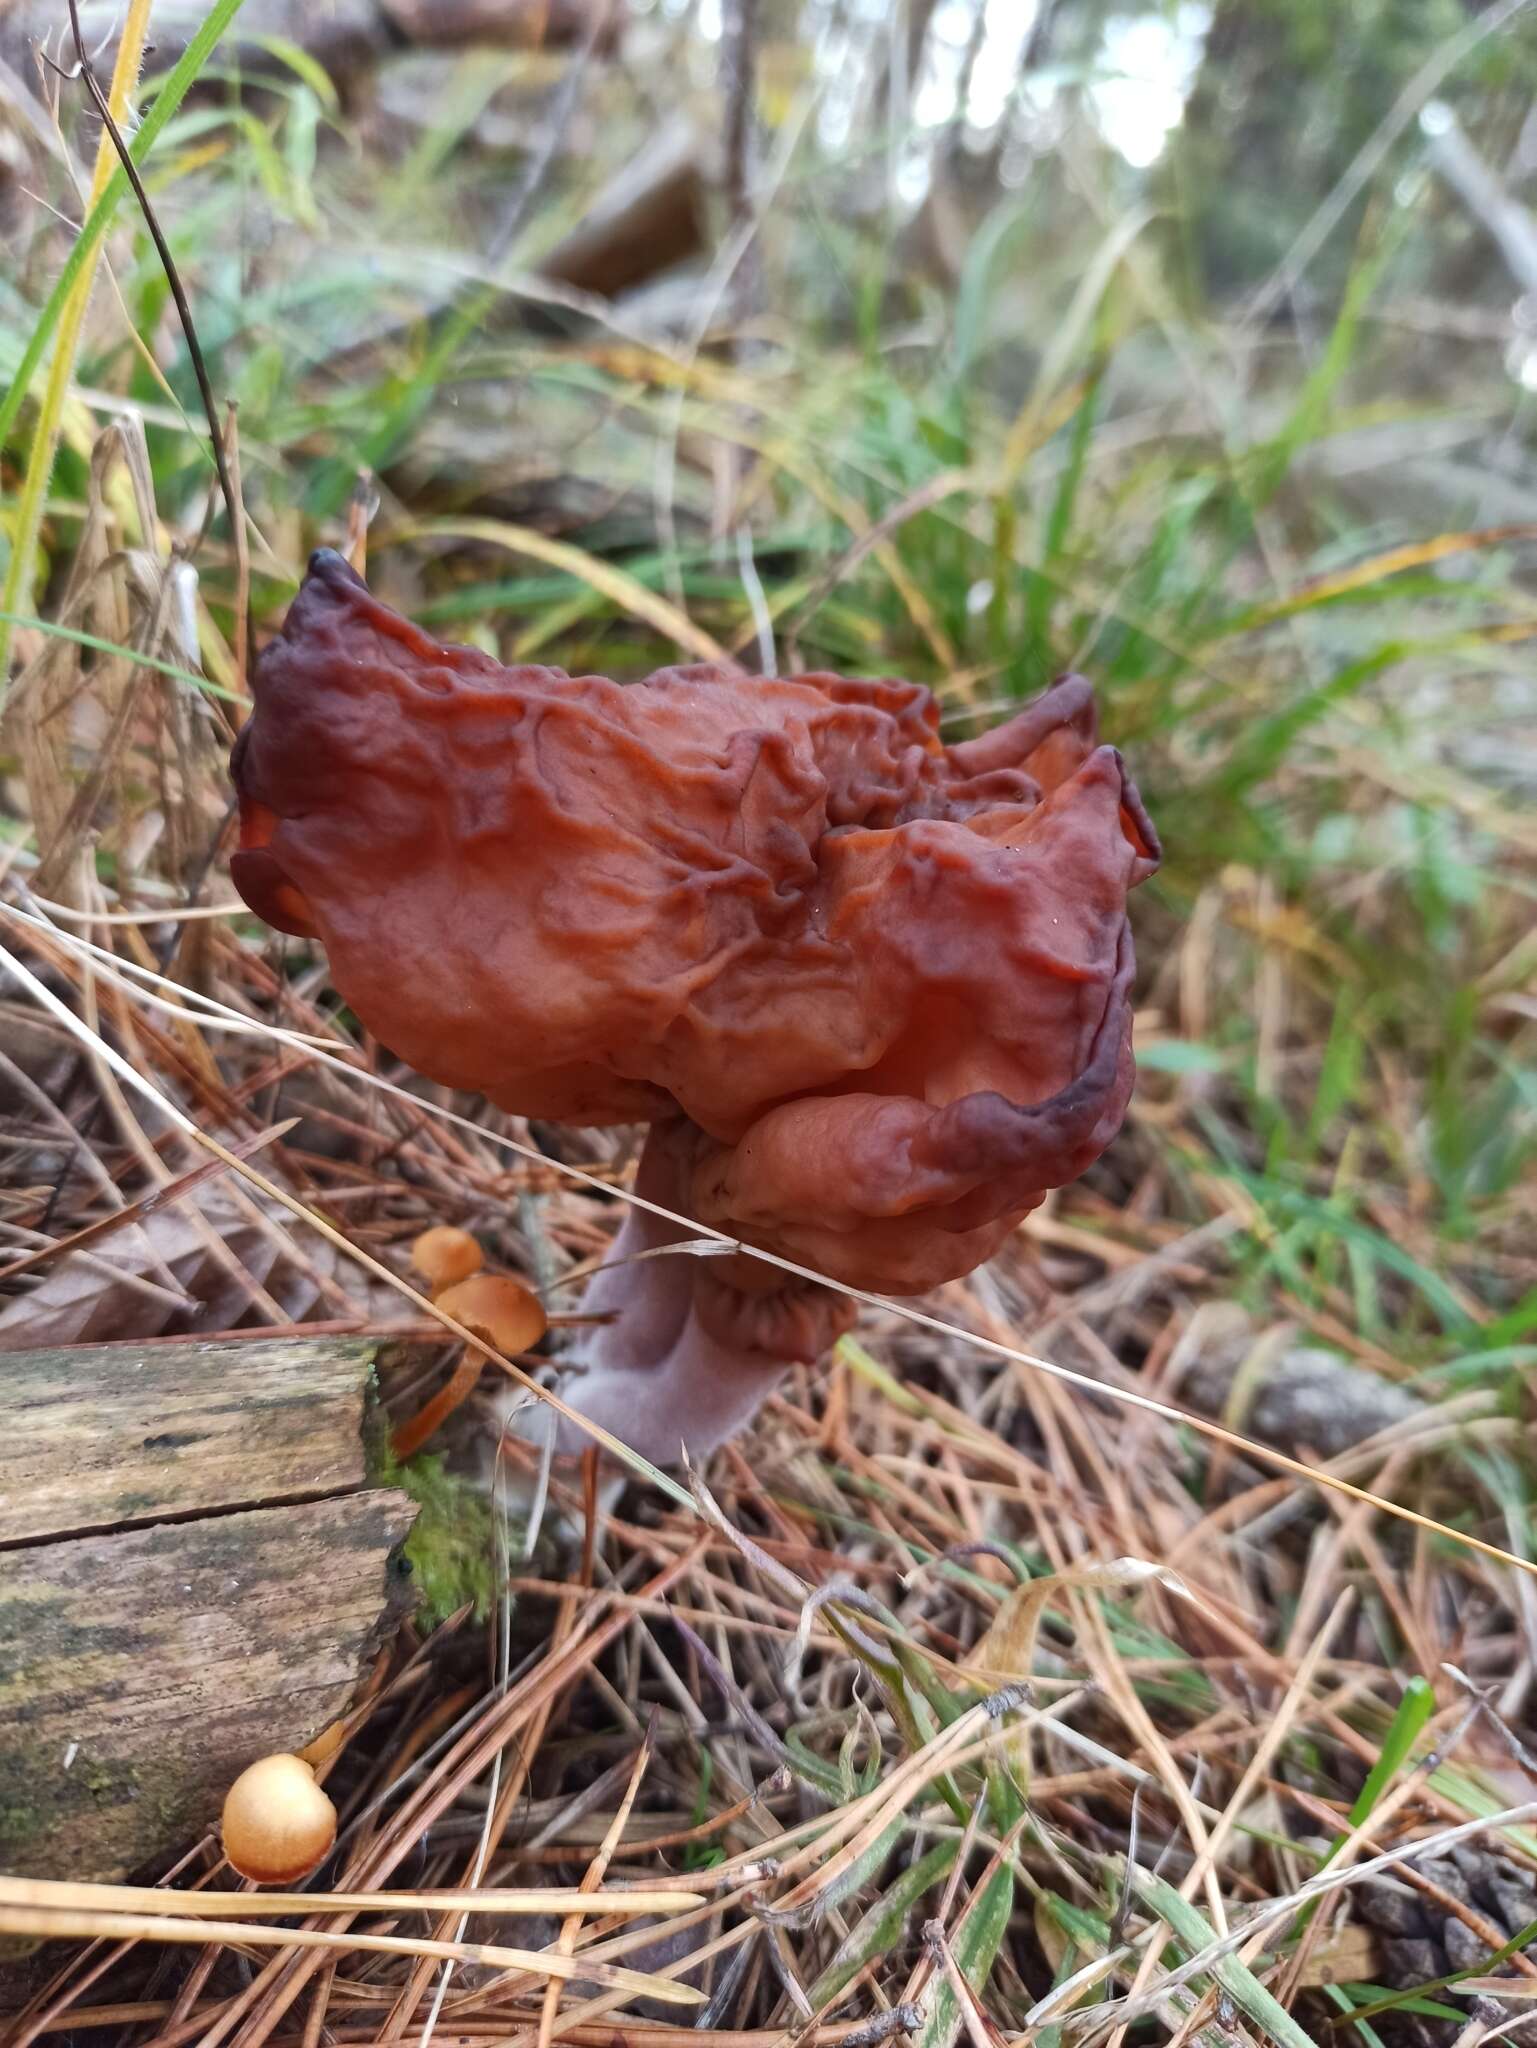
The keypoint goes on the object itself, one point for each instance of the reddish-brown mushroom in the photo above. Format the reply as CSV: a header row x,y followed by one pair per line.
x,y
871,993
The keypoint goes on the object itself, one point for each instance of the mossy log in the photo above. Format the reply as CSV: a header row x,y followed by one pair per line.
x,y
193,1572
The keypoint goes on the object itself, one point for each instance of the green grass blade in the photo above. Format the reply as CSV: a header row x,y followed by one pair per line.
x,y
1417,1998
1193,1933
885,1924
975,1947
1404,1731
1414,1710
172,92
100,646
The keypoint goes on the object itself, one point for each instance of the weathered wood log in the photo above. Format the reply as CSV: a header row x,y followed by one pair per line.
x,y
193,1572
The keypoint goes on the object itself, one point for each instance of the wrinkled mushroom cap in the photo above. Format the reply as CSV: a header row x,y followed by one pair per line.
x,y
886,981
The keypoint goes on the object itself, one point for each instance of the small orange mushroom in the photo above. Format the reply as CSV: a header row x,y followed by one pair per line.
x,y
277,1824
497,1308
445,1255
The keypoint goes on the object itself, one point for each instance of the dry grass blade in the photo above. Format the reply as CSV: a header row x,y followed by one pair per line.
x,y
609,582
135,1212
29,1892
78,1922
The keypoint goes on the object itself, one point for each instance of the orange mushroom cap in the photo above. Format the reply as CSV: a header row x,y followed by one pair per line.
x,y
277,1824
444,1255
498,1308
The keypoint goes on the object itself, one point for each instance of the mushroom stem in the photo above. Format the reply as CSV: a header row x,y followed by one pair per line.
x,y
688,1357
654,1376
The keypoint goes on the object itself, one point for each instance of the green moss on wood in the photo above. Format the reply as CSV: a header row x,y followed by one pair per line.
x,y
452,1548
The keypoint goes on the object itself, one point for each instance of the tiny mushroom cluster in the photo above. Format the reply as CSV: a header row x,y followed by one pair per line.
x,y
872,994
492,1306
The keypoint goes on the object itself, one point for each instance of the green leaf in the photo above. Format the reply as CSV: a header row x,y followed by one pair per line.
x,y
1180,1056
303,66
983,252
